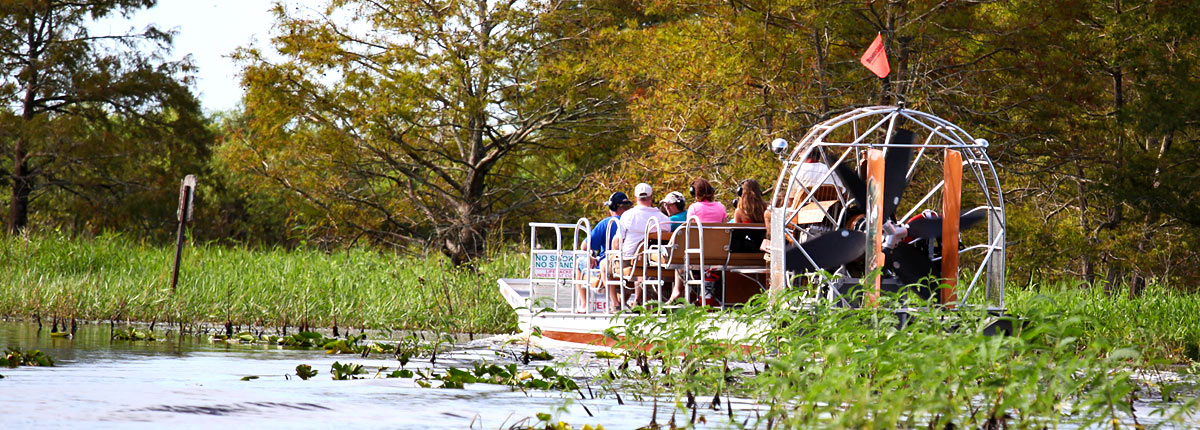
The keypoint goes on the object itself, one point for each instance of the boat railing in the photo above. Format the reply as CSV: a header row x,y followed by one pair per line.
x,y
550,270
690,278
643,254
563,278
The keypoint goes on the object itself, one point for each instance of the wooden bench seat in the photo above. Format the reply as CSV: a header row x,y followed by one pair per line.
x,y
719,247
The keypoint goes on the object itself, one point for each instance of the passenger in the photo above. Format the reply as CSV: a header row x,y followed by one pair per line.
x,y
634,229
673,206
598,242
750,207
810,172
705,209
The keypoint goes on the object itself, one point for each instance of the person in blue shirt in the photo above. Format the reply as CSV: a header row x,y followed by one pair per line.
x,y
604,230
601,237
673,205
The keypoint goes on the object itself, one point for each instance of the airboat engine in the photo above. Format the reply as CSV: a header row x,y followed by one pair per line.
x,y
888,199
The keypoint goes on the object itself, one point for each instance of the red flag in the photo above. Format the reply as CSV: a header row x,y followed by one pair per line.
x,y
875,58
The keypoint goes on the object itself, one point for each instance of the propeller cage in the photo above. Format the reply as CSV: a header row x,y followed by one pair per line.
x,y
811,201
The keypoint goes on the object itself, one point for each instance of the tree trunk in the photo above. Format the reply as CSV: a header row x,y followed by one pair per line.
x,y
465,242
18,213
1115,276
22,186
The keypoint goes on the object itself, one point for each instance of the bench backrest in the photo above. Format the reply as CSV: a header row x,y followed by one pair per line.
x,y
722,243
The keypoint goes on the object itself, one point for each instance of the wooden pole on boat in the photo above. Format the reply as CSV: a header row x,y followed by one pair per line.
x,y
874,260
951,202
187,191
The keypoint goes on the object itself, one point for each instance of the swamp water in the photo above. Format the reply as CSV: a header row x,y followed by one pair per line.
x,y
197,383
98,383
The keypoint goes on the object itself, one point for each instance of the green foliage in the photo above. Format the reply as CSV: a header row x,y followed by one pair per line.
x,y
346,371
451,140
15,357
1163,322
133,334
433,137
98,129
826,367
116,278
305,371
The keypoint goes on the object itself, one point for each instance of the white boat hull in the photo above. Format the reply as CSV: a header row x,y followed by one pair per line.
x,y
590,328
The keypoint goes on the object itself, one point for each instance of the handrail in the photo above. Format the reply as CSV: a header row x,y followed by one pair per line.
x,y
586,270
687,255
619,282
558,253
645,253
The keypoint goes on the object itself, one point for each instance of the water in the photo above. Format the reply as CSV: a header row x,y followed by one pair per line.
x,y
101,384
197,384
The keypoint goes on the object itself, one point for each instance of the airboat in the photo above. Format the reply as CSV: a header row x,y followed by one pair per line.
x,y
874,200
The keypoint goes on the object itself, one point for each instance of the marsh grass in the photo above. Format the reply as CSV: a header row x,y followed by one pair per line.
x,y
1163,322
829,367
115,278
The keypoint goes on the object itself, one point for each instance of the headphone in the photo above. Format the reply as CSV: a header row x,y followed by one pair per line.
x,y
692,190
738,190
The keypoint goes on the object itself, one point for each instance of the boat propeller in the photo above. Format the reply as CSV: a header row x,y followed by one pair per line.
x,y
905,258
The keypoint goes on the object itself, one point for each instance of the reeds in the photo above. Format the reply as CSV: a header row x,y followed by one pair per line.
x,y
1164,323
828,367
114,278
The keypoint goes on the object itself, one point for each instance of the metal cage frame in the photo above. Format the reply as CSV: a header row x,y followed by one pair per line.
x,y
864,125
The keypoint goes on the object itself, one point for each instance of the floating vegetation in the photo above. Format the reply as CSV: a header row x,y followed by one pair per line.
x,y
346,371
305,371
547,378
15,357
408,346
134,334
546,421
866,368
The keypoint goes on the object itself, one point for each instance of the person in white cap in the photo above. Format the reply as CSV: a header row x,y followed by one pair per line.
x,y
634,225
673,206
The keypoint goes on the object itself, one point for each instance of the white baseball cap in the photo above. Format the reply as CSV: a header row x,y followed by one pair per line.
x,y
643,190
673,197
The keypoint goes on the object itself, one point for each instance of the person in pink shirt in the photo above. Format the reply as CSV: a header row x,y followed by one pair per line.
x,y
707,211
705,208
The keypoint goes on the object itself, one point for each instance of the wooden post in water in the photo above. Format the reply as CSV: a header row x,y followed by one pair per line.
x,y
874,260
187,191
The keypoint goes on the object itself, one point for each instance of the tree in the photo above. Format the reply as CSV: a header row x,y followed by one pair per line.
x,y
412,121
712,83
85,103
1105,137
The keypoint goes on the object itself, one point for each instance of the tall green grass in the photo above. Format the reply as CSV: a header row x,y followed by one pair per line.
x,y
1163,322
116,278
828,367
